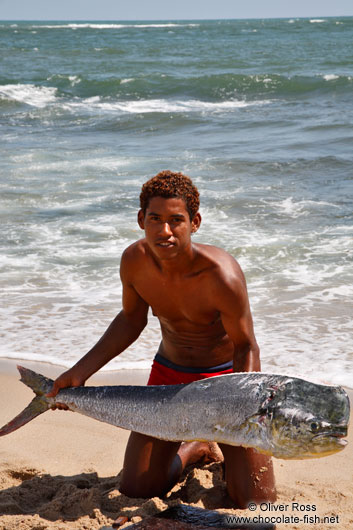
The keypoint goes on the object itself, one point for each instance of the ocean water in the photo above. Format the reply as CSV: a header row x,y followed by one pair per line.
x,y
258,112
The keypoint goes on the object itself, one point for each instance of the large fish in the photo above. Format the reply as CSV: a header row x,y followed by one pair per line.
x,y
279,415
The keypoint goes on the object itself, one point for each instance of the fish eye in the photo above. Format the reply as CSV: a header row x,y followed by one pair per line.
x,y
314,426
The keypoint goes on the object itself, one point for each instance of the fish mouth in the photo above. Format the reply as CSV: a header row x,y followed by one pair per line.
x,y
342,442
334,437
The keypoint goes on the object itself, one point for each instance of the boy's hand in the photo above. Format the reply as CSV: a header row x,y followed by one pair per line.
x,y
66,380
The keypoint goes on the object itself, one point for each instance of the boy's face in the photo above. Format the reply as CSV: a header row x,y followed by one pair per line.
x,y
167,226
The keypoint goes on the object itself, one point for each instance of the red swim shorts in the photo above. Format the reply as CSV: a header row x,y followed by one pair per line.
x,y
165,372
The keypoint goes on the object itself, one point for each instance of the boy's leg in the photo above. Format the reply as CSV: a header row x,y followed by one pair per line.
x,y
249,475
149,466
152,467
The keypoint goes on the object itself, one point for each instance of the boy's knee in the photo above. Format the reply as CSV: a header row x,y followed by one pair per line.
x,y
130,490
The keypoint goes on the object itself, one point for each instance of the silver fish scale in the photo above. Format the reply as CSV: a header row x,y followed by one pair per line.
x,y
280,415
199,410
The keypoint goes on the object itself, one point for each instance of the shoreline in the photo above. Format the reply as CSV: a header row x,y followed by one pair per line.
x,y
133,376
61,471
107,377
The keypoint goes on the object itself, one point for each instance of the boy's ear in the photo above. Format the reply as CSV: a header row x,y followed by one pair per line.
x,y
141,219
195,223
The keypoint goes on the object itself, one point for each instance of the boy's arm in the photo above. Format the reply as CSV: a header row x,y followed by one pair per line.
x,y
123,331
237,321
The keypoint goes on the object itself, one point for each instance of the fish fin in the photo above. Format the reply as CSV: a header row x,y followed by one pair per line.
x,y
257,419
38,383
37,406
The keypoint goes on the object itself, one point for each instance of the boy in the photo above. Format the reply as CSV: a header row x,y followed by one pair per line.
x,y
198,292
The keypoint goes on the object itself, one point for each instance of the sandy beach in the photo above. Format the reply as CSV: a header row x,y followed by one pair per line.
x,y
61,471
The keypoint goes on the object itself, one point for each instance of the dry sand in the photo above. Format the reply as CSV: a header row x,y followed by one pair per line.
x,y
61,471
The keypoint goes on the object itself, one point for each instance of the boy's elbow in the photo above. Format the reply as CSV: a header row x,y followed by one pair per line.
x,y
142,324
247,358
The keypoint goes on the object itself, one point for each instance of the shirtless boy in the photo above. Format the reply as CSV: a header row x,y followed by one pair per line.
x,y
198,292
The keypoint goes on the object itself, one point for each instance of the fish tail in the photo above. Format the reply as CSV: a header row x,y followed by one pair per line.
x,y
36,407
40,385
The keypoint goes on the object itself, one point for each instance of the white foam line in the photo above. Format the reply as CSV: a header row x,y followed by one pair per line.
x,y
39,96
115,26
160,105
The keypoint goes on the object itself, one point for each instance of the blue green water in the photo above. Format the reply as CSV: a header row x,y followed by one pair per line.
x,y
258,112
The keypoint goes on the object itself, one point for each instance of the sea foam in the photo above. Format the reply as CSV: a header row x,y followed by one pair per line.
x,y
159,105
36,96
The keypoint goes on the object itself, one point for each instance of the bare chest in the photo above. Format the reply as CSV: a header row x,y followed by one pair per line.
x,y
179,300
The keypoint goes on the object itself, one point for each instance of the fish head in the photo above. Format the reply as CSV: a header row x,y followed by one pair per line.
x,y
305,420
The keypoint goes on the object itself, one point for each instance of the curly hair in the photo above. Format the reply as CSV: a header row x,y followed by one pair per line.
x,y
168,184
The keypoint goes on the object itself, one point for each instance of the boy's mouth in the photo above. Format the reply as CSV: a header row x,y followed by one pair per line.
x,y
165,244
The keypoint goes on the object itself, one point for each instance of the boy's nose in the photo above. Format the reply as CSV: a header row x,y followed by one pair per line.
x,y
166,230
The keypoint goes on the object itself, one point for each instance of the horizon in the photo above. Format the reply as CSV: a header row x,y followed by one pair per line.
x,y
110,20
